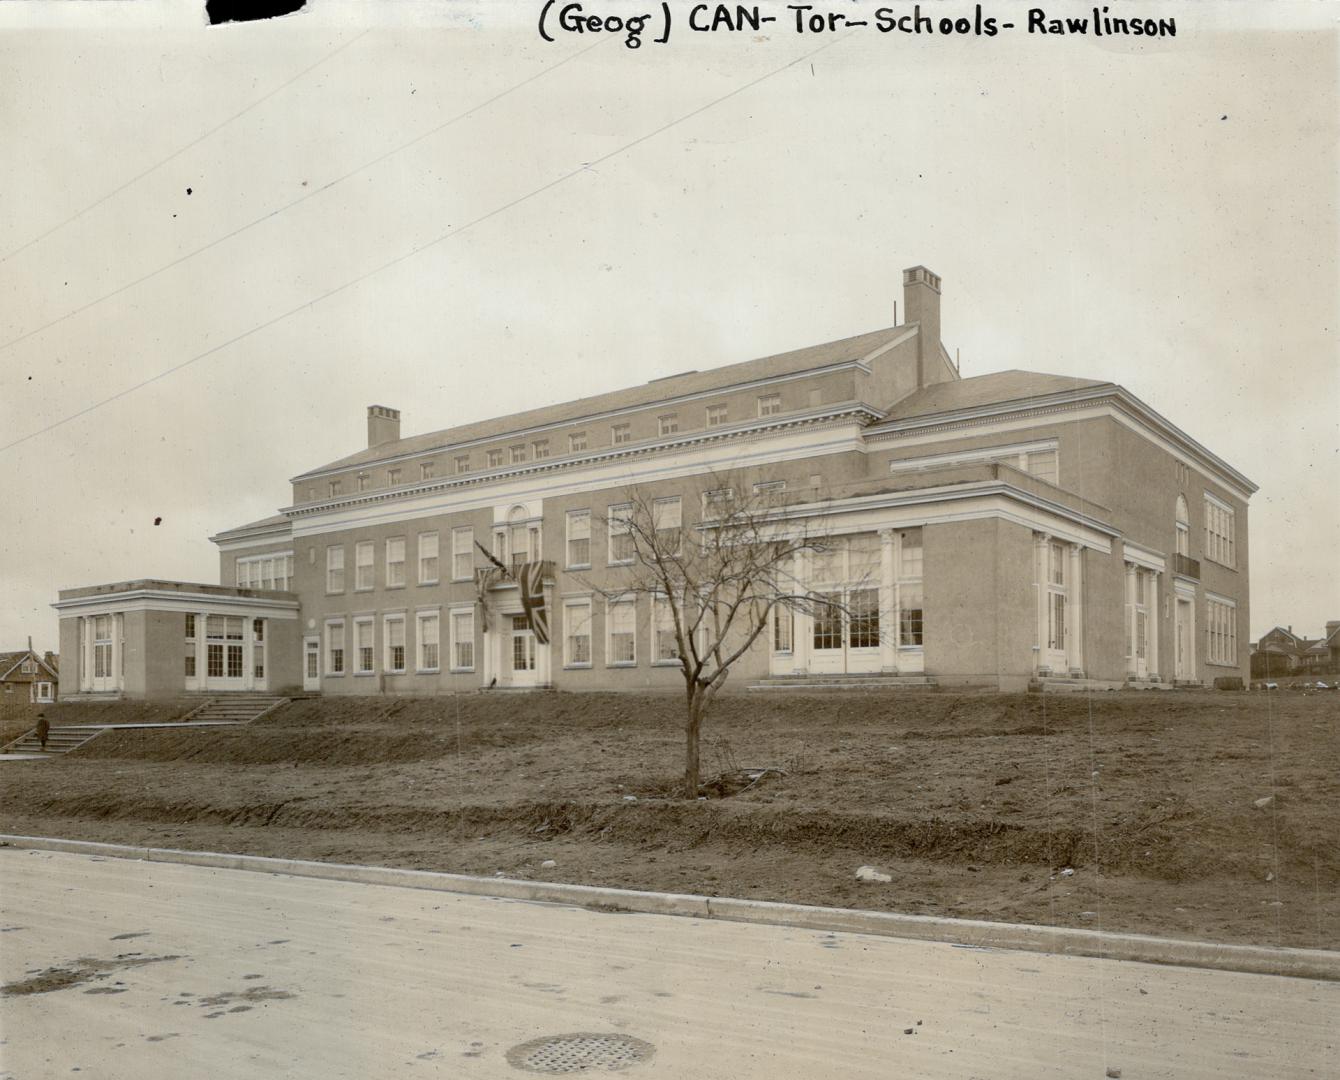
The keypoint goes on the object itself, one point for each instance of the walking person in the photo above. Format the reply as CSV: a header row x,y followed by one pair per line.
x,y
43,730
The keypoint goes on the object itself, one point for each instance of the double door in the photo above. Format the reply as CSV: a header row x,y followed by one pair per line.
x,y
845,631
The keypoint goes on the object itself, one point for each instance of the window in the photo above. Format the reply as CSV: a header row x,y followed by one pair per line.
x,y
1183,527
495,458
258,652
717,504
1137,617
669,423
334,488
462,553
365,570
524,538
577,633
783,628
363,634
621,547
621,433
770,491
769,404
335,647
395,644
428,641
190,646
907,572
1056,596
667,518
579,539
463,640
44,691
462,463
716,415
576,442
27,667
428,558
1219,545
621,617
102,646
539,449
395,562
665,645
265,572
518,454
1222,630
392,477
363,479
335,569
311,494
426,470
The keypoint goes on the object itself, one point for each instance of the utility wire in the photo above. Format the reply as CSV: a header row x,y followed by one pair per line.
x,y
301,199
177,153
450,234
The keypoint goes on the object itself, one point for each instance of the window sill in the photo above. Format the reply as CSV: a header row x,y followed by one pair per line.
x,y
427,671
576,667
365,588
333,675
462,671
426,584
391,587
461,580
667,663
389,672
578,566
622,664
621,562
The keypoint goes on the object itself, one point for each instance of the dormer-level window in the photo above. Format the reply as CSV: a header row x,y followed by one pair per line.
x,y
621,433
518,454
462,463
540,449
669,423
576,442
1183,527
495,458
334,488
426,470
363,481
769,404
716,415
392,477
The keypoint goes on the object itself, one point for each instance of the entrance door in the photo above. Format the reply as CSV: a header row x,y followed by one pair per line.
x,y
523,652
104,678
846,632
1185,661
224,637
311,663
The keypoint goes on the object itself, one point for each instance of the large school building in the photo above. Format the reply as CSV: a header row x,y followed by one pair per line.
x,y
1009,530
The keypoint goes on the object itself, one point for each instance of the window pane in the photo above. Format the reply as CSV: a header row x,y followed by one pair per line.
x,y
909,615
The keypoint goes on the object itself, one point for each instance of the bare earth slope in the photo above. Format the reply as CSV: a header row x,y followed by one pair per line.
x,y
975,804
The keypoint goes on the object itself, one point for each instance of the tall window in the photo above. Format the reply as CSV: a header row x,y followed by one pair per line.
x,y
577,633
463,639
428,641
518,454
462,463
335,647
462,553
190,646
1056,596
1137,621
669,423
665,645
783,628
769,404
258,651
365,568
102,646
668,519
1219,521
495,458
1183,527
716,415
539,449
428,558
395,562
363,634
576,442
335,569
621,548
621,618
911,606
1221,617
394,632
524,538
621,433
579,538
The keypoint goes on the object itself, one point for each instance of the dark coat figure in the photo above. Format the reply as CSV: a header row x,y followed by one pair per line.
x,y
43,730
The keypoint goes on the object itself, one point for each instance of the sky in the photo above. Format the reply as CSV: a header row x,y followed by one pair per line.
x,y
427,206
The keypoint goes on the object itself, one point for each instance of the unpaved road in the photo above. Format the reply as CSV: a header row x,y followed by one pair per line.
x,y
114,969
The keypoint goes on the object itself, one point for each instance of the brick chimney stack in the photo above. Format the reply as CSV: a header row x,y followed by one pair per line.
x,y
383,425
921,298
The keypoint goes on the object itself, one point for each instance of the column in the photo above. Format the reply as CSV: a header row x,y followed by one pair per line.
x,y
86,653
888,608
802,629
1131,593
1075,612
118,632
1040,576
1152,627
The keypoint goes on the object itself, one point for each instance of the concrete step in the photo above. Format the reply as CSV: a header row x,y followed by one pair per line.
x,y
59,741
845,682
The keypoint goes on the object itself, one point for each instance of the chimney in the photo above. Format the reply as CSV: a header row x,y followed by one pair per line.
x,y
921,298
383,425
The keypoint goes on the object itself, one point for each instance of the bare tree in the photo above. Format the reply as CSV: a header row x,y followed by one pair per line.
x,y
719,582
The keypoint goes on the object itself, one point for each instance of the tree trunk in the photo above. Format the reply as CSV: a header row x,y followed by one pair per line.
x,y
692,729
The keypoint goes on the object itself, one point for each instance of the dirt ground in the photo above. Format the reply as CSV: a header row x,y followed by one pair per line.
x,y
1133,811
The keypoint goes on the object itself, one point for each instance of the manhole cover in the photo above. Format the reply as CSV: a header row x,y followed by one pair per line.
x,y
581,1051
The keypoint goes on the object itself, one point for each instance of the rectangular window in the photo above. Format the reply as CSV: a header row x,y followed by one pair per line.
x,y
495,458
44,691
363,635
428,558
621,618
1056,597
769,404
665,645
521,536
258,651
863,618
621,547
190,659
769,490
716,415
668,519
426,470
462,463
463,640
669,423
1219,532
363,480
334,488
395,562
577,633
621,433
783,628
392,477
365,565
462,553
518,454
717,504
1222,630
190,626
910,615
579,539
335,569
394,633
335,648
428,641
539,449
576,442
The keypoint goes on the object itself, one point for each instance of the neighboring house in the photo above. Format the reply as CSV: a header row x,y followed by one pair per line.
x,y
27,678
1282,652
1006,530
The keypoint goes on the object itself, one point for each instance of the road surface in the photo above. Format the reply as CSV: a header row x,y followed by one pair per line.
x,y
122,969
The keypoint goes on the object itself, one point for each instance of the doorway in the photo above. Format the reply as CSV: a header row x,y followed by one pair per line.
x,y
1183,634
311,663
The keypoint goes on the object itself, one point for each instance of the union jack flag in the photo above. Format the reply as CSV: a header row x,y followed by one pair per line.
x,y
530,576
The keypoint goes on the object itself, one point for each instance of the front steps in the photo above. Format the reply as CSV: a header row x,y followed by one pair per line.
x,y
233,709
872,681
60,740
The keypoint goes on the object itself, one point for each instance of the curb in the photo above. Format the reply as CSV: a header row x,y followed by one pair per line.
x,y
971,933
